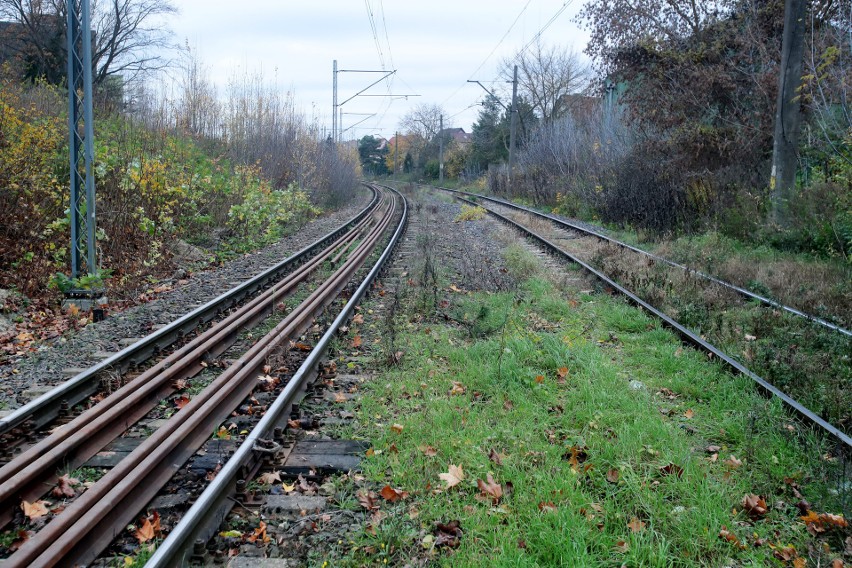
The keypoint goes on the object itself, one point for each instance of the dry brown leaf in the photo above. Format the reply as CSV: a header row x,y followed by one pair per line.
x,y
392,495
358,319
367,499
340,397
547,507
270,477
34,510
428,451
612,475
539,379
635,525
689,414
490,488
672,469
754,505
621,547
732,462
145,532
65,486
448,534
453,477
181,402
495,457
398,428
259,534
457,389
356,341
799,562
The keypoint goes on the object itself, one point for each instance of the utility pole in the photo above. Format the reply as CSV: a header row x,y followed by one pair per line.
x,y
441,150
81,138
788,117
334,108
513,125
395,154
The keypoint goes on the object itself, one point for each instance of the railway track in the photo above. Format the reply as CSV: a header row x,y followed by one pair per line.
x,y
89,521
842,438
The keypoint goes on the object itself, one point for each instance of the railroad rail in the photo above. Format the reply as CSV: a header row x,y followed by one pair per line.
x,y
738,289
88,524
842,438
44,409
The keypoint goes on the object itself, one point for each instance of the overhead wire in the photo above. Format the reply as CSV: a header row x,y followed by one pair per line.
x,y
499,43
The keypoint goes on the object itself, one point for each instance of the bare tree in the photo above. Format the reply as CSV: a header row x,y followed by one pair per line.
x,y
421,124
547,78
129,36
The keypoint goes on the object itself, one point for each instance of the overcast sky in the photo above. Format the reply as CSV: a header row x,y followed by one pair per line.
x,y
435,46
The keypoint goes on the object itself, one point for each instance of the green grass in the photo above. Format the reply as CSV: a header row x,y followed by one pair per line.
x,y
610,404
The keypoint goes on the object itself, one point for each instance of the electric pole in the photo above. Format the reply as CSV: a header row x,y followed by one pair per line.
x,y
395,154
513,122
81,139
334,108
788,117
441,150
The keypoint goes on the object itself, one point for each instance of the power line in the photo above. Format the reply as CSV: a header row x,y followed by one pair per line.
x,y
499,43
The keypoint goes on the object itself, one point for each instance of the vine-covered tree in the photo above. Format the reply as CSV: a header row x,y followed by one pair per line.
x,y
373,152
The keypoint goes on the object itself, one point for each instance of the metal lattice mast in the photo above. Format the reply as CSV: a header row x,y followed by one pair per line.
x,y
81,137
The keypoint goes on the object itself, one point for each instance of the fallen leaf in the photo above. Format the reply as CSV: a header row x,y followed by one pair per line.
x,y
448,534
799,562
340,397
34,510
392,495
495,457
356,341
712,449
490,488
223,433
689,414
367,499
269,478
785,553
65,486
621,547
428,451
635,525
358,319
145,532
259,534
302,347
458,388
453,477
547,507
612,475
732,462
725,534
672,469
398,428
754,505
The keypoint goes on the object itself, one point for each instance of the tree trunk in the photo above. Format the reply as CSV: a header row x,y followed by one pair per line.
x,y
788,116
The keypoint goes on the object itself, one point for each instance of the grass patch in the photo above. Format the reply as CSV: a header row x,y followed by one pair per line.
x,y
617,445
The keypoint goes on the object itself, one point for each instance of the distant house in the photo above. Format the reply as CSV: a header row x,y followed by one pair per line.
x,y
458,134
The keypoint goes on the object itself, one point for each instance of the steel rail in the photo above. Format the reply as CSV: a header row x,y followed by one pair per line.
x,y
27,475
90,522
740,290
685,333
201,520
45,408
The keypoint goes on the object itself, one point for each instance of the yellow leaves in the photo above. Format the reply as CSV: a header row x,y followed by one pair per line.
x,y
454,476
34,510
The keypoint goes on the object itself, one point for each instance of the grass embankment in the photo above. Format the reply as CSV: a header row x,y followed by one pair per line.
x,y
586,434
